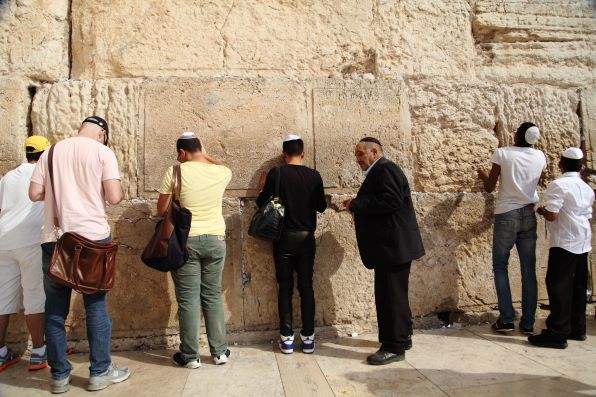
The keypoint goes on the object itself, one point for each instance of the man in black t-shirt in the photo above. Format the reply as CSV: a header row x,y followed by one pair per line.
x,y
301,192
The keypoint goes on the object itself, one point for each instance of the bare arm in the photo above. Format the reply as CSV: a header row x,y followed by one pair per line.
x,y
490,180
162,203
549,216
36,192
113,191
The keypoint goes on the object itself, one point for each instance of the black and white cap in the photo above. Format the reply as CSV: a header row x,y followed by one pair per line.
x,y
97,121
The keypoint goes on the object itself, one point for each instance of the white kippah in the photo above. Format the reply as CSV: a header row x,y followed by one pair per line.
x,y
187,135
291,137
573,153
532,134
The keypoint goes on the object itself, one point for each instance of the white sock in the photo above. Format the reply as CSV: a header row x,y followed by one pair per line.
x,y
3,351
40,351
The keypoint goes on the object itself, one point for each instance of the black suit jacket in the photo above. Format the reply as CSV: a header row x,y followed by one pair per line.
x,y
386,227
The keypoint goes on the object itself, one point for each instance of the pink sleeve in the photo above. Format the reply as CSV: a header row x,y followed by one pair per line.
x,y
110,166
39,173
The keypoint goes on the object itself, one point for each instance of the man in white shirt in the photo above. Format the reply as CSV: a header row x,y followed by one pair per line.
x,y
519,168
21,277
568,210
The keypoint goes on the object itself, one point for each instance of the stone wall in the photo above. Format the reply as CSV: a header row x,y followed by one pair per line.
x,y
441,82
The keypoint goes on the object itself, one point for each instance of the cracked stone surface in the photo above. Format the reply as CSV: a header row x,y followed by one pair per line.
x,y
34,39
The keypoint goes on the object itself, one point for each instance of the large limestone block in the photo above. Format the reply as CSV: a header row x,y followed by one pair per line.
x,y
178,38
424,38
472,213
588,125
58,110
34,37
453,126
552,42
241,122
14,106
346,111
552,109
456,272
458,125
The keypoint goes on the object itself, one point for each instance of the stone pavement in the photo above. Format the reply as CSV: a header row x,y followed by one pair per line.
x,y
471,361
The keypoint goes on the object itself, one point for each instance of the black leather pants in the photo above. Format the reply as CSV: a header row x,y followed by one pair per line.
x,y
295,251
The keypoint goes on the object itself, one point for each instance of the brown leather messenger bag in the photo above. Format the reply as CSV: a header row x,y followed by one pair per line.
x,y
79,263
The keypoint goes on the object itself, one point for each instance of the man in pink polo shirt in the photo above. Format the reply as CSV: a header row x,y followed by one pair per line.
x,y
85,175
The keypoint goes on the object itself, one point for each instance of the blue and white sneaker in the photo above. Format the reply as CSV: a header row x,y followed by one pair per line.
x,y
308,343
286,344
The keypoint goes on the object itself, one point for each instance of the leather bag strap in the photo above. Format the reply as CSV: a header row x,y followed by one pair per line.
x,y
51,171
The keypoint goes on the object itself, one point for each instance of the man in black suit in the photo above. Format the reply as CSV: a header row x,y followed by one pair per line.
x,y
388,239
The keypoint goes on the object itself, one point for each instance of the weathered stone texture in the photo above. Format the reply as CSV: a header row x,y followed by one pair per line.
x,y
14,104
458,125
58,110
452,125
272,38
175,38
424,38
588,125
34,37
242,123
345,112
536,41
553,110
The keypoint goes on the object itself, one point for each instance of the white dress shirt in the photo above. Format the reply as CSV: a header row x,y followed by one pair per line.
x,y
370,167
572,199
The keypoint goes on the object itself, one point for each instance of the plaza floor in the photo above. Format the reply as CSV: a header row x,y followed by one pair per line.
x,y
471,361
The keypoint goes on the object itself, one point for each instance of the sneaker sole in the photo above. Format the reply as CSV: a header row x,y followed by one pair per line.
x,y
9,363
308,351
110,382
63,389
286,351
504,331
37,367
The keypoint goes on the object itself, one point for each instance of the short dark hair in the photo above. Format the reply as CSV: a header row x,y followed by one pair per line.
x,y
294,147
191,145
372,140
521,134
32,156
571,165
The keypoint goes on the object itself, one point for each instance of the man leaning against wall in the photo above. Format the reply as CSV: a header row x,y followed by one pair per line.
x,y
518,168
198,282
85,176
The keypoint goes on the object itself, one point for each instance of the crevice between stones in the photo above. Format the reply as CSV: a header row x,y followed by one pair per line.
x,y
32,91
69,20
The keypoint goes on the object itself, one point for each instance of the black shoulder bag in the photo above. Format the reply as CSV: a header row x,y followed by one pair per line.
x,y
268,221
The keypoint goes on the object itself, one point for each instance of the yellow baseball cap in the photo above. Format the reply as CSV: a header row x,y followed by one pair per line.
x,y
36,144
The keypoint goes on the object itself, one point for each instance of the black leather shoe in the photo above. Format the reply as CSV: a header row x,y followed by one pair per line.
x,y
579,337
546,339
409,344
383,357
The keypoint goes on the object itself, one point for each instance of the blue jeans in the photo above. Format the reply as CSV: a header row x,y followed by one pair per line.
x,y
516,227
99,323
